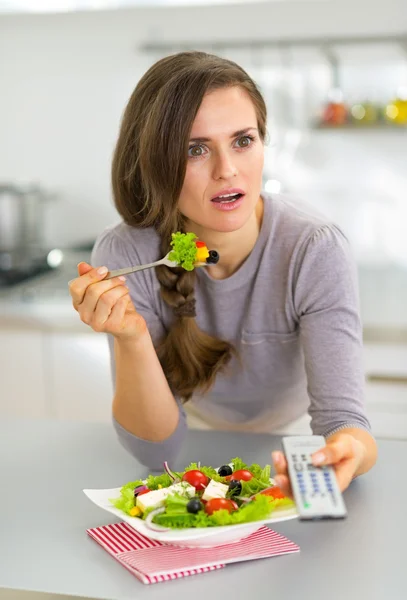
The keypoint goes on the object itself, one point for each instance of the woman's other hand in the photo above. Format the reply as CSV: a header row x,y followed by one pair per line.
x,y
344,453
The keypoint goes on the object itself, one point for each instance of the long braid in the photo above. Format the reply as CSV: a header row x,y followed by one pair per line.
x,y
190,357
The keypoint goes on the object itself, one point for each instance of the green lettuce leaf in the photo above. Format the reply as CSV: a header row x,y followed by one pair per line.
x,y
260,473
126,500
238,464
184,249
254,486
261,508
163,480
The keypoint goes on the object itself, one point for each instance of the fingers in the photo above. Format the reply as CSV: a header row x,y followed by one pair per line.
x,y
85,296
284,484
84,268
78,286
280,463
281,479
116,319
104,307
336,451
344,473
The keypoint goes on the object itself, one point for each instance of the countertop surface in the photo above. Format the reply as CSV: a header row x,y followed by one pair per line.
x,y
44,515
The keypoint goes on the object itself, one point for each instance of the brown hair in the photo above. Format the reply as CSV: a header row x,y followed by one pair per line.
x,y
148,172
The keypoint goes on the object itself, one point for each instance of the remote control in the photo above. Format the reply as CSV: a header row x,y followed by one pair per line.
x,y
315,489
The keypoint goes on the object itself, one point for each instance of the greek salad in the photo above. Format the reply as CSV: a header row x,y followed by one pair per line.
x,y
202,496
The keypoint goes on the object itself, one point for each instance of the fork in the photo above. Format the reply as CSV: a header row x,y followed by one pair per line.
x,y
164,261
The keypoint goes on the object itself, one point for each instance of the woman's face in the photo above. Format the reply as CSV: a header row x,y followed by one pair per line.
x,y
225,158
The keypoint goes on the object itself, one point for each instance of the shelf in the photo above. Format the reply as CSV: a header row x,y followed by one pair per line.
x,y
359,127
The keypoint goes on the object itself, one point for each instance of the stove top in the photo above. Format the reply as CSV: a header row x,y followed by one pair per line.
x,y
13,277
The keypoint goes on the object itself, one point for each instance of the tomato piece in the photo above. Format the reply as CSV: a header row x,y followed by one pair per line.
x,y
242,475
274,492
196,478
218,504
227,477
143,492
200,244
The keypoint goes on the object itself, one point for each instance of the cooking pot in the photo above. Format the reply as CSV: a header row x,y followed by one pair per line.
x,y
21,217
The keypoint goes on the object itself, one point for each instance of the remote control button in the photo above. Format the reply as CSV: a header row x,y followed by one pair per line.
x,y
294,457
311,467
303,457
298,466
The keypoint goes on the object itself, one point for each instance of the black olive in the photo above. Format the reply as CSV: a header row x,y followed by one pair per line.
x,y
194,505
225,470
213,257
235,487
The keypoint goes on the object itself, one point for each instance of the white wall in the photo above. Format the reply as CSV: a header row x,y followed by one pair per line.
x,y
65,79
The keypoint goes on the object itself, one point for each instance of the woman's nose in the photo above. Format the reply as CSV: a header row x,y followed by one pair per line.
x,y
224,167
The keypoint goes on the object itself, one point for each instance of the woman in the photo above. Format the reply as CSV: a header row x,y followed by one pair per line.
x,y
248,343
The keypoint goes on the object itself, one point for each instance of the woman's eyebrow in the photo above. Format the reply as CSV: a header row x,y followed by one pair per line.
x,y
233,135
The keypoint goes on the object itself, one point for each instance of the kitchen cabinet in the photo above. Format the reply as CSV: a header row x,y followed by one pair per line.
x,y
23,374
79,376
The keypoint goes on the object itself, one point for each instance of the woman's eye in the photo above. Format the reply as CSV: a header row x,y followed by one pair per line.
x,y
244,141
195,151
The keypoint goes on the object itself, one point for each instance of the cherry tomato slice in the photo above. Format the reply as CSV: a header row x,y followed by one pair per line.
x,y
242,475
274,492
143,492
218,504
196,478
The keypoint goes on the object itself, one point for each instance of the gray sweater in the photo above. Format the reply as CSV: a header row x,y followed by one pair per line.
x,y
292,312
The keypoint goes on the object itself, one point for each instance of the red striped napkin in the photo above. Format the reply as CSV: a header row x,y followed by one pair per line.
x,y
152,561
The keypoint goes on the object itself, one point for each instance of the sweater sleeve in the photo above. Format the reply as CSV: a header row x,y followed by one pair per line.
x,y
326,300
113,251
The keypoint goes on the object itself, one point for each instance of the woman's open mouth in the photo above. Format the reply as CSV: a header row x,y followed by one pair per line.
x,y
228,199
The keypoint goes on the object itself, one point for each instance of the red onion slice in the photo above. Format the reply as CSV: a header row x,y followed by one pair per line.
x,y
174,477
153,526
139,489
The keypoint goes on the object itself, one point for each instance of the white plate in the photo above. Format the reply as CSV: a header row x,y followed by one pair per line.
x,y
203,537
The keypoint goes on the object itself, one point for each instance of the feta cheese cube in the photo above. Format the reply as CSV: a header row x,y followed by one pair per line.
x,y
156,498
183,488
215,489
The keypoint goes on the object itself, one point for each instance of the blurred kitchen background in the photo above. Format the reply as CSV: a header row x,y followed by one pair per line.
x,y
334,75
